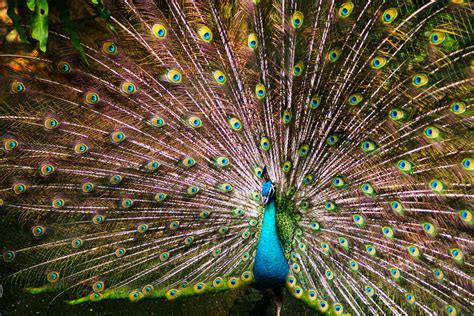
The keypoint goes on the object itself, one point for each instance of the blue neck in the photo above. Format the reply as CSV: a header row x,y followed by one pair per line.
x,y
270,267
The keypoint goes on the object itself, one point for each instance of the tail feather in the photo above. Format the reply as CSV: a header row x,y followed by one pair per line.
x,y
139,175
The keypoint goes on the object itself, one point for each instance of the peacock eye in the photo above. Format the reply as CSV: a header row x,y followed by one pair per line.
x,y
330,206
355,99
222,161
57,203
256,196
91,98
367,188
387,232
117,137
298,69
188,241
128,87
194,121
225,187
346,9
10,144
159,31
458,107
338,182
110,48
316,226
467,164
238,212
368,146
354,265
286,166
369,290
308,179
51,123
64,67
286,117
47,169
314,102
174,76
116,179
77,243
437,38
142,228
205,34
235,124
159,197
359,220
258,172
164,256
38,230
17,87
188,162
152,165
120,252
410,298
192,190
157,121
297,19
332,139
371,250
303,150
19,188
260,91
219,77
217,252
405,166
204,214
396,114
429,229
436,185
334,55
174,225
148,289
52,276
265,143
389,15
394,272
419,80
87,187
431,132
127,203
252,41
378,62
81,148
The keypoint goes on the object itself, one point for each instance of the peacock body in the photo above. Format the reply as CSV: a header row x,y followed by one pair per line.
x,y
321,146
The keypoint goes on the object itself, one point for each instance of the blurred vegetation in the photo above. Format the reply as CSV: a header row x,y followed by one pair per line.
x,y
31,19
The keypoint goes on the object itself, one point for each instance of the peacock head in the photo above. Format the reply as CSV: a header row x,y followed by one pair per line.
x,y
268,191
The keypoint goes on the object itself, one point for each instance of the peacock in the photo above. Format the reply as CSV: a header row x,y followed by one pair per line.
x,y
201,146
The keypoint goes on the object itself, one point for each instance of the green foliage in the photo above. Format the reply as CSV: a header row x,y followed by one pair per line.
x,y
70,28
16,20
104,14
39,22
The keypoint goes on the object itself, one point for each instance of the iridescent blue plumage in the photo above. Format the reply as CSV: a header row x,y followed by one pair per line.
x,y
271,267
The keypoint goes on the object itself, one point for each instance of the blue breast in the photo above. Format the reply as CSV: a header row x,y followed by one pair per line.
x,y
270,267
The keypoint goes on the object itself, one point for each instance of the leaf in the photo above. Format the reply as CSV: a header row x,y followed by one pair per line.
x,y
104,14
39,23
16,21
31,5
70,28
